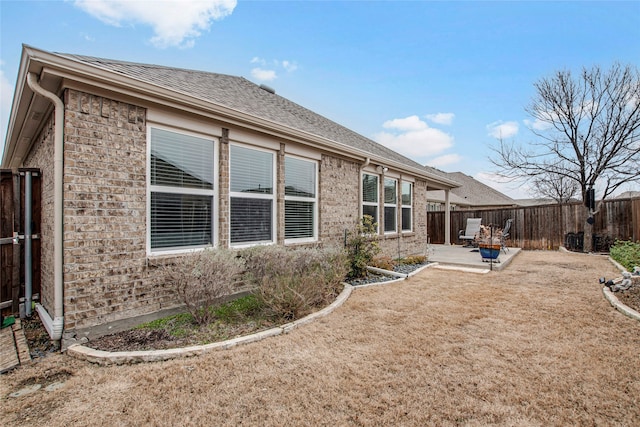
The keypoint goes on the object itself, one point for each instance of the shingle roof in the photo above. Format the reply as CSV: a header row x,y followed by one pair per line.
x,y
242,95
477,193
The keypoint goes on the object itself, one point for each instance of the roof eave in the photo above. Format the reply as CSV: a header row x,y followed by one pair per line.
x,y
36,60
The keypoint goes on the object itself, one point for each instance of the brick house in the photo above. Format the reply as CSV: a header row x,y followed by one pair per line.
x,y
153,161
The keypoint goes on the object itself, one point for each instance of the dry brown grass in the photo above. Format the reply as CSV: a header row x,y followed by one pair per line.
x,y
536,344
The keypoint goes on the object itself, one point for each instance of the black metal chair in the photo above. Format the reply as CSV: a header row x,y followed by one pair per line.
x,y
505,235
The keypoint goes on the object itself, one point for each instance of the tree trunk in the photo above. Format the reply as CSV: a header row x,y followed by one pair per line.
x,y
587,244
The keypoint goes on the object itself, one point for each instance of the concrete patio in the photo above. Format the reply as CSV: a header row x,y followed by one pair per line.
x,y
457,256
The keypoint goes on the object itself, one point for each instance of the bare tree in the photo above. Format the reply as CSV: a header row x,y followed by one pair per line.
x,y
588,131
559,188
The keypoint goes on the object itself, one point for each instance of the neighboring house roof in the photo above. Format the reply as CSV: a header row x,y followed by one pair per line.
x,y
628,195
477,194
438,196
541,202
233,98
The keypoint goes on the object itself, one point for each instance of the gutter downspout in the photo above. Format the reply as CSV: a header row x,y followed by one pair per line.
x,y
54,327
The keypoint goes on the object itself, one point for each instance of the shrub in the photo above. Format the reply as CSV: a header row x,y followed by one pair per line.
x,y
362,247
202,279
291,283
414,259
627,253
383,262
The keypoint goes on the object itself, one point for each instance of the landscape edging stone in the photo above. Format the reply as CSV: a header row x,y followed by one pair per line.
x,y
104,358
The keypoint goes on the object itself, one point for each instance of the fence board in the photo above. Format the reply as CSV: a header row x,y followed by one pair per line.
x,y
545,227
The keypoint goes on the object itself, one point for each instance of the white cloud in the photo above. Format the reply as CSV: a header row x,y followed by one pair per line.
x,y
263,75
411,123
268,70
441,118
501,130
174,22
413,138
289,66
446,160
537,125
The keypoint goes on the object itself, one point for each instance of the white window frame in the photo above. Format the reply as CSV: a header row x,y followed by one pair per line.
x,y
177,190
404,206
272,197
390,205
314,200
376,203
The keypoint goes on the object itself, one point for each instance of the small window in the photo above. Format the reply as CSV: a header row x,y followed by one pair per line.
x,y
407,203
300,200
390,205
370,196
252,196
181,191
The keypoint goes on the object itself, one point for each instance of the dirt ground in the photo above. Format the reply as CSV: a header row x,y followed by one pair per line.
x,y
536,344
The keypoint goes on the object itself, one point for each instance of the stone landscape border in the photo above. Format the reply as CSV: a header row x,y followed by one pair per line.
x,y
614,301
105,358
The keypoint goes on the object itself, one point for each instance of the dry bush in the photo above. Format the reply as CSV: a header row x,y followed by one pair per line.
x,y
414,259
291,283
383,262
202,279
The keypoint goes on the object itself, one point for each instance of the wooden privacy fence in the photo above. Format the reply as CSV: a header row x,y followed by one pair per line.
x,y
14,236
548,226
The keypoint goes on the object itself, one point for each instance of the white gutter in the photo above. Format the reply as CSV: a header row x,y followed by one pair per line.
x,y
54,326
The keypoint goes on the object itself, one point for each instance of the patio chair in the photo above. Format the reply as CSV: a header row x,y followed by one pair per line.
x,y
468,235
505,235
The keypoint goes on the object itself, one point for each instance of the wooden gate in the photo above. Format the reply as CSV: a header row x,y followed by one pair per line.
x,y
19,237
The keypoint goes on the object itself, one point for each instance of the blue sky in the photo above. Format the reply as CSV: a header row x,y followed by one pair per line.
x,y
436,81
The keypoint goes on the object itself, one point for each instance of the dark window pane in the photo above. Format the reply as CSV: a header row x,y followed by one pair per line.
x,y
180,220
298,219
371,211
389,219
390,193
406,219
251,220
369,188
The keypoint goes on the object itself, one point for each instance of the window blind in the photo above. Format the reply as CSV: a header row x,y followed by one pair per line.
x,y
369,188
251,220
180,220
251,170
180,160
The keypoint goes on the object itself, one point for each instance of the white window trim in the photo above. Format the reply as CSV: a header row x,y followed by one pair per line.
x,y
391,205
376,203
175,190
272,197
306,199
409,206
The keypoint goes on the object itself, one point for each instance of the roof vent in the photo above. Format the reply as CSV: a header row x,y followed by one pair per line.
x,y
268,89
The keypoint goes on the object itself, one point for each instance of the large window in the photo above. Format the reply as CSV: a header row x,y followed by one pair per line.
x,y
181,191
370,196
300,200
407,203
390,205
252,195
